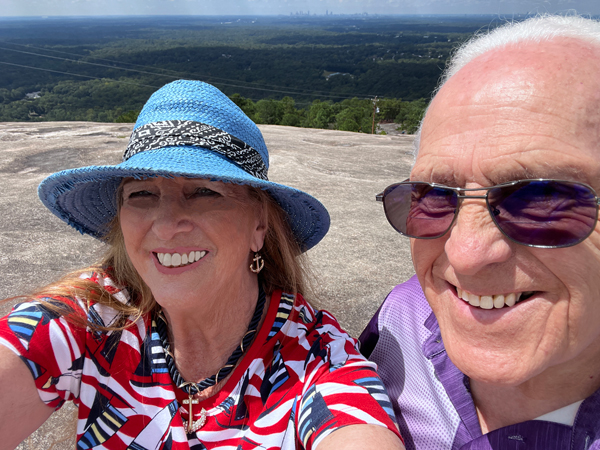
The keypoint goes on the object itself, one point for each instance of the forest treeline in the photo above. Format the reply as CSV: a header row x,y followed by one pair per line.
x,y
93,101
322,72
348,115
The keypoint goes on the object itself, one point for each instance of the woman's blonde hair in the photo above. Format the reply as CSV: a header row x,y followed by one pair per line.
x,y
285,268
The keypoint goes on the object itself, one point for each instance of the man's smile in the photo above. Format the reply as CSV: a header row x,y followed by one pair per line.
x,y
493,301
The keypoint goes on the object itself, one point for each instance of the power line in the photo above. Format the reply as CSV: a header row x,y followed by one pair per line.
x,y
109,79
92,57
279,91
78,75
83,62
179,74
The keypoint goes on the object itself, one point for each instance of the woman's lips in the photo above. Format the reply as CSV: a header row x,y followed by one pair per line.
x,y
176,262
176,259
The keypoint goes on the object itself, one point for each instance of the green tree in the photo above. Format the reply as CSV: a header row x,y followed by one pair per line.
x,y
319,115
128,117
389,108
268,112
346,120
410,115
289,114
355,115
245,104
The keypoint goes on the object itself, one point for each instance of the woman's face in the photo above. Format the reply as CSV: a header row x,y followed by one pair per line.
x,y
189,237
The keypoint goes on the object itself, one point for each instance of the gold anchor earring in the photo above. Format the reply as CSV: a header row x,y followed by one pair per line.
x,y
257,263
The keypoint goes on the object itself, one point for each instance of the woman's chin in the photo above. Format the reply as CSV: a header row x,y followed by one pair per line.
x,y
170,295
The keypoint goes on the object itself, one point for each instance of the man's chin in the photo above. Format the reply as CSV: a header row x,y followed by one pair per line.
x,y
494,368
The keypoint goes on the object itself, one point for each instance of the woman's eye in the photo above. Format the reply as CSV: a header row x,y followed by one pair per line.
x,y
204,192
139,194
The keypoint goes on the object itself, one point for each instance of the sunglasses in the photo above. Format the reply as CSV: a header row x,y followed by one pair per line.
x,y
537,213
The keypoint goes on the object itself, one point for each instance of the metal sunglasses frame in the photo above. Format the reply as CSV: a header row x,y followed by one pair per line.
x,y
380,198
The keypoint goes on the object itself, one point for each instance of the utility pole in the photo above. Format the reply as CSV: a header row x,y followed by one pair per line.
x,y
375,111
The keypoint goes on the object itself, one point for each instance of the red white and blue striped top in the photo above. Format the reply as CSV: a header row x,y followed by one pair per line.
x,y
302,378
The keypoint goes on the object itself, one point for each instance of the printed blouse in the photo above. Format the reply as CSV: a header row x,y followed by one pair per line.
x,y
302,378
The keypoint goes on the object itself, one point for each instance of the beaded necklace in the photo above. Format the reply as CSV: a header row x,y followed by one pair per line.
x,y
191,388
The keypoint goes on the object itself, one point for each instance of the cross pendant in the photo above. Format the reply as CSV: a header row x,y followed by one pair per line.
x,y
190,401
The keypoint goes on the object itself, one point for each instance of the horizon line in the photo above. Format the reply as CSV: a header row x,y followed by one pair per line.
x,y
71,16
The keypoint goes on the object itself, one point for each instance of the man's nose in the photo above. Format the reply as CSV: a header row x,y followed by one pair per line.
x,y
172,216
474,241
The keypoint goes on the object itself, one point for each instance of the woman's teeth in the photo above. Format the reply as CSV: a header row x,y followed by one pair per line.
x,y
176,259
492,301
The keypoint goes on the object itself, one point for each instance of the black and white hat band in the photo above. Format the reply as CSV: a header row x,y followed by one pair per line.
x,y
172,133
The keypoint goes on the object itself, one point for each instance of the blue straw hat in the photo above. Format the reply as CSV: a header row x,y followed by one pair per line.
x,y
186,129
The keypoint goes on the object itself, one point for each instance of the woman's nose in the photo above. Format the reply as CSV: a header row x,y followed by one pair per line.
x,y
474,241
171,217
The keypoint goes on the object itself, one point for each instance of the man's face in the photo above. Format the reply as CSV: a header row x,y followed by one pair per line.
x,y
531,112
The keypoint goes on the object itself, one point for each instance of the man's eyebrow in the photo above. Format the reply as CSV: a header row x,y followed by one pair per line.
x,y
445,179
550,172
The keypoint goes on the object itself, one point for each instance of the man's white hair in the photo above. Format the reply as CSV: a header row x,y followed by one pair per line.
x,y
537,29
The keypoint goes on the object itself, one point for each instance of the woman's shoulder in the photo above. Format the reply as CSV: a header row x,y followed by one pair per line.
x,y
71,315
105,279
88,299
89,292
77,290
320,320
314,332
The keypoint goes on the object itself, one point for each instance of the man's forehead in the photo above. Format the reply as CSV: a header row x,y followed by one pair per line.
x,y
529,67
528,111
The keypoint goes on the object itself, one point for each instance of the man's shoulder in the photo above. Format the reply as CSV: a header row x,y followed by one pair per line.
x,y
407,329
405,304
404,310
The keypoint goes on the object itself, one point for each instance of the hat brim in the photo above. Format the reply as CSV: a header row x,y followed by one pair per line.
x,y
85,197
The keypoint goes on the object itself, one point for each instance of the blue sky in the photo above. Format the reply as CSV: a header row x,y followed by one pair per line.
x,y
261,7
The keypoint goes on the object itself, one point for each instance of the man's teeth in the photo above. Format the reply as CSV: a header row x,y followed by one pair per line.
x,y
176,260
489,301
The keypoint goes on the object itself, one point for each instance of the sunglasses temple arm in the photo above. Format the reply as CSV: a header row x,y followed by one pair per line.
x,y
379,197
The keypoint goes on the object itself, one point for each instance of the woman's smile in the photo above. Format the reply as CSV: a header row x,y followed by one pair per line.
x,y
177,258
175,263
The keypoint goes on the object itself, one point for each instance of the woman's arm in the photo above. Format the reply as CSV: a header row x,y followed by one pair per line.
x,y
361,437
21,410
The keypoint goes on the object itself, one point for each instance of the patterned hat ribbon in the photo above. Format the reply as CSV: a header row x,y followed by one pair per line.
x,y
172,133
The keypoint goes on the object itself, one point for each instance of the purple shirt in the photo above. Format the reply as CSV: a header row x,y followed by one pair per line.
x,y
431,396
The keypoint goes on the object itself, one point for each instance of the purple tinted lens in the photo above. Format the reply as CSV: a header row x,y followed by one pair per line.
x,y
544,213
420,210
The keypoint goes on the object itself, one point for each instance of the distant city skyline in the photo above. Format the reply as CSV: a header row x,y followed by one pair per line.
x,y
287,7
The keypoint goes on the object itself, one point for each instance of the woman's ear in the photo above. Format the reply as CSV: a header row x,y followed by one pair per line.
x,y
258,238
